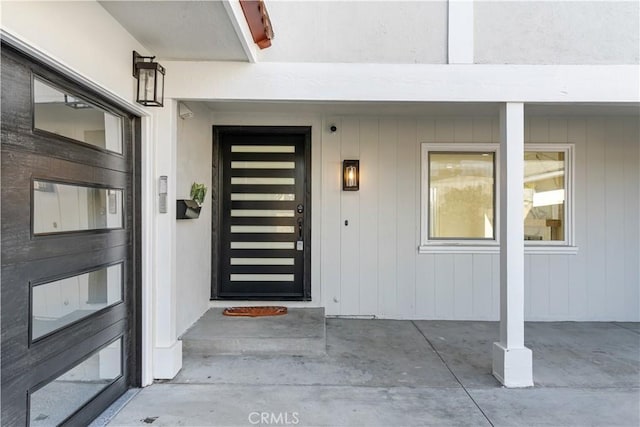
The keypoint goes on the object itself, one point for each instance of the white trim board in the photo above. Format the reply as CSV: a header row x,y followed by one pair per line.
x,y
235,81
461,40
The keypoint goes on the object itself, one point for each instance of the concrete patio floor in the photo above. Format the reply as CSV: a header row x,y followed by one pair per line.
x,y
408,373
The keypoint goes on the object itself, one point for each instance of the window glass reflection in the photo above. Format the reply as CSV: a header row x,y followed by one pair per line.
x,y
67,115
59,208
461,195
56,401
544,195
60,303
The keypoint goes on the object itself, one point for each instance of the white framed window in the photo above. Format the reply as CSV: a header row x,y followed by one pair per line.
x,y
459,183
548,197
460,198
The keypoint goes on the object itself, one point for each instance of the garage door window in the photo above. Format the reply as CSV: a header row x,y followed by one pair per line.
x,y
59,112
60,208
57,304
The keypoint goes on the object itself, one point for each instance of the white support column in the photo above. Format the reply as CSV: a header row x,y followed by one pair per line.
x,y
167,349
460,37
512,362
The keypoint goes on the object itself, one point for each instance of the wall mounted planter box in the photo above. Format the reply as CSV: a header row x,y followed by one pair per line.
x,y
187,209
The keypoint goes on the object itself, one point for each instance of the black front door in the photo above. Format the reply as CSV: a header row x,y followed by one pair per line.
x,y
264,235
69,248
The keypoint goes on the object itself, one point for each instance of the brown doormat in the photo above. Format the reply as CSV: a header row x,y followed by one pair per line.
x,y
255,311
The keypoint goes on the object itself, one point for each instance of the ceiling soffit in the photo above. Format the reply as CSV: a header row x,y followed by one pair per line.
x,y
180,30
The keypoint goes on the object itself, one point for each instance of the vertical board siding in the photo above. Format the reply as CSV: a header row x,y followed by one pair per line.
x,y
330,232
386,277
425,287
350,234
595,237
463,286
406,229
614,211
527,287
577,134
482,291
482,129
445,282
558,286
540,285
631,245
387,209
369,184
495,268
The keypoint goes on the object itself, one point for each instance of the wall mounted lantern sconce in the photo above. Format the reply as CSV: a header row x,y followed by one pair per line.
x,y
150,76
350,175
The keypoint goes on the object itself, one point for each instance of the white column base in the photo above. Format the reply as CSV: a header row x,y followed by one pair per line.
x,y
513,367
167,361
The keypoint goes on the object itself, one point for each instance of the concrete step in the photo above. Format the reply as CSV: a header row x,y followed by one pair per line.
x,y
302,331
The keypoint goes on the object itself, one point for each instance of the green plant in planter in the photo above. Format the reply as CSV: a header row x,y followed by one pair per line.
x,y
198,191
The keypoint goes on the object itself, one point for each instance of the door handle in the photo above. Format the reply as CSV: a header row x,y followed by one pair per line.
x,y
300,223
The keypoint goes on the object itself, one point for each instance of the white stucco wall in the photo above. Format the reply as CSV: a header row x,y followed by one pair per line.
x,y
358,31
557,32
81,35
193,236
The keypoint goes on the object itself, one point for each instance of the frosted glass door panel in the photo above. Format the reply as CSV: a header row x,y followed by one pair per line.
x,y
262,277
262,213
262,261
262,181
261,229
262,245
263,149
266,197
263,165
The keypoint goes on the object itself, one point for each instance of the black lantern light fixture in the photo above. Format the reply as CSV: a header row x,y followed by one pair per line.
x,y
150,77
350,175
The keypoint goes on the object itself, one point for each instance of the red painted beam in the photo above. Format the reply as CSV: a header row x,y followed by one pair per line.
x,y
255,12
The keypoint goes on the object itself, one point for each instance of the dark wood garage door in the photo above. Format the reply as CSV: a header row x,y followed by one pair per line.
x,y
70,243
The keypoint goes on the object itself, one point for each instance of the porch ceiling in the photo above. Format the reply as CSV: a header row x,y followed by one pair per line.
x,y
180,30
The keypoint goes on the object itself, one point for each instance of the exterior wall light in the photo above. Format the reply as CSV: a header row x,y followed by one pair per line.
x,y
350,175
150,76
